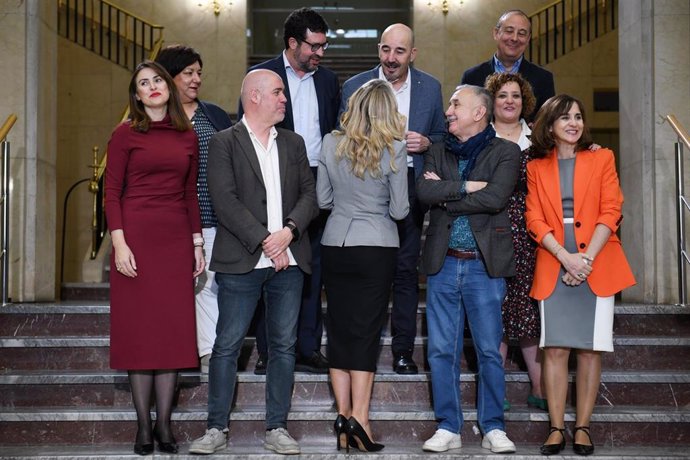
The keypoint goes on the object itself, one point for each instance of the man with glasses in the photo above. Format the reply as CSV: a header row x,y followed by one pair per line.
x,y
512,34
313,97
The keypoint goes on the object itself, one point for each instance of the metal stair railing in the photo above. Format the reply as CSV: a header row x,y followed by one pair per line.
x,y
681,206
108,30
566,25
5,205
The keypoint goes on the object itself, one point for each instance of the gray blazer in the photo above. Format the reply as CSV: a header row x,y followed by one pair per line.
x,y
239,198
498,164
362,211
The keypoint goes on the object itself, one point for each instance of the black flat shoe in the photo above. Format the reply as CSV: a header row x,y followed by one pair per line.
x,y
403,364
143,449
169,447
553,449
356,434
583,449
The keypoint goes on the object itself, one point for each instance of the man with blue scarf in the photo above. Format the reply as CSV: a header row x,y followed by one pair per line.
x,y
467,254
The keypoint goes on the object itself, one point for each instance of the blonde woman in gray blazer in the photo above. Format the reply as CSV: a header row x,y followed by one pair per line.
x,y
362,179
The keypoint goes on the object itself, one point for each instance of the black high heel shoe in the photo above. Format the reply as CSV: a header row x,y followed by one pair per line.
x,y
356,434
553,449
583,449
141,448
169,447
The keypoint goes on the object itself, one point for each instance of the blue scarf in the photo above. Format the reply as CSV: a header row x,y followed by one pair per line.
x,y
470,149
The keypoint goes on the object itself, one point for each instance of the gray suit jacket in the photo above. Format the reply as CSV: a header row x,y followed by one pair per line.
x,y
498,164
362,210
426,105
239,198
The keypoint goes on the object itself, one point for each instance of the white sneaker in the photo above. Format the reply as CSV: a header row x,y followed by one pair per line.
x,y
497,441
280,441
212,441
442,441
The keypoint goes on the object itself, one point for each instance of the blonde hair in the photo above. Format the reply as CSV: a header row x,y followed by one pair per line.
x,y
369,126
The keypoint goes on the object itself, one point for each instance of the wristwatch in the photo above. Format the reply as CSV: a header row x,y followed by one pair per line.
x,y
293,228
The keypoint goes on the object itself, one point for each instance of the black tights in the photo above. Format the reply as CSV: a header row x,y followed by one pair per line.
x,y
142,383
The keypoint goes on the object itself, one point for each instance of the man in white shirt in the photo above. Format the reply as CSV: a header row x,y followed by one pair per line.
x,y
264,197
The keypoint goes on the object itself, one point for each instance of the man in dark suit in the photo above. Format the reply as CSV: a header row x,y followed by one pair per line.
x,y
264,197
313,96
468,251
512,34
419,99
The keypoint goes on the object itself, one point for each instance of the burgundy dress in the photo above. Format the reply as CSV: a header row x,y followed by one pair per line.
x,y
150,193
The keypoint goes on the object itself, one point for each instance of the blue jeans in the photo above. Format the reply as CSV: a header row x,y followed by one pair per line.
x,y
463,287
237,299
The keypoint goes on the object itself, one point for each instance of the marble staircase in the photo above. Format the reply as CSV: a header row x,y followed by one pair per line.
x,y
60,399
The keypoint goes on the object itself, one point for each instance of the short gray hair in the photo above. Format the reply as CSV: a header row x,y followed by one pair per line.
x,y
485,99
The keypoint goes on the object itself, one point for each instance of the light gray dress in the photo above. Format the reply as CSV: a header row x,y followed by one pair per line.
x,y
574,317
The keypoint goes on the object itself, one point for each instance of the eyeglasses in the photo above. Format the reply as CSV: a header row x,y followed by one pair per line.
x,y
315,46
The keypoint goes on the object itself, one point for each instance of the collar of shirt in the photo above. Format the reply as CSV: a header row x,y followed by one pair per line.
x,y
499,67
273,134
405,86
289,70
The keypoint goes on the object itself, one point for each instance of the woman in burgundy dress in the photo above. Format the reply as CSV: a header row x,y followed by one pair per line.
x,y
153,216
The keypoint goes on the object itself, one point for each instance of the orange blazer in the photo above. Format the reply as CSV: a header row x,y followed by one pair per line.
x,y
597,200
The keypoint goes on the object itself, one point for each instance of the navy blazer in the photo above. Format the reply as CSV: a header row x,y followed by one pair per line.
x,y
427,116
218,117
540,79
327,93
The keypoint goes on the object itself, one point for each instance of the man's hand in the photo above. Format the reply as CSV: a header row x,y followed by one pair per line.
x,y
276,242
430,175
281,261
416,143
474,185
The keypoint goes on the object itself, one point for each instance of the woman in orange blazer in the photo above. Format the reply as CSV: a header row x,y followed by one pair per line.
x,y
573,211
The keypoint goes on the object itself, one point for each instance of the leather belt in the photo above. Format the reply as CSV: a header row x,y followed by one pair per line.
x,y
461,254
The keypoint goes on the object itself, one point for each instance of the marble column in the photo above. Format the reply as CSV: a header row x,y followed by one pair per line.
x,y
28,52
654,64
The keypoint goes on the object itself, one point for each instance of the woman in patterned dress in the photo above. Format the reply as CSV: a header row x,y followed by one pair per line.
x,y
513,102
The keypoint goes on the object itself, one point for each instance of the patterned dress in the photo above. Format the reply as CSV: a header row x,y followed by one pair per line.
x,y
521,312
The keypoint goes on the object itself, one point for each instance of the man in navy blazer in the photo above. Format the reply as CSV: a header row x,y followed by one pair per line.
x,y
309,87
512,34
420,100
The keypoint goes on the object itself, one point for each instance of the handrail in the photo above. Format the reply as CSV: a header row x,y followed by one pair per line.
x,y
129,13
678,128
565,25
681,206
5,206
7,126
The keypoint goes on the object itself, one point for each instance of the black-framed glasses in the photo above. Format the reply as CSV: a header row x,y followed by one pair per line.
x,y
315,46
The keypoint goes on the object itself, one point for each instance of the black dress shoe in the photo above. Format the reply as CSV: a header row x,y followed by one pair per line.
x,y
260,367
553,449
583,449
403,364
316,364
169,447
143,449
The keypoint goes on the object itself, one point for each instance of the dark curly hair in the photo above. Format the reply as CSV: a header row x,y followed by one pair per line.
x,y
495,82
175,58
299,21
542,136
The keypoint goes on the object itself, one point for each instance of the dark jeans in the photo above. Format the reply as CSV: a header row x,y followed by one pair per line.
x,y
238,296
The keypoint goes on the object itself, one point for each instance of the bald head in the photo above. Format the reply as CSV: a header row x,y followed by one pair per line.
x,y
396,53
263,98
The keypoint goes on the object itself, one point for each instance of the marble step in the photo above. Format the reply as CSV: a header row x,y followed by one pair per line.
x,y
326,451
91,318
74,353
611,426
392,391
